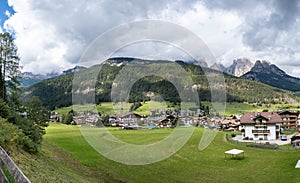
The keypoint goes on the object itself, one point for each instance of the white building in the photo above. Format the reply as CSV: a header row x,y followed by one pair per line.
x,y
261,126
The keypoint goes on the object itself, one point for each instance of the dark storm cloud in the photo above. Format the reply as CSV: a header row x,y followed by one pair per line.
x,y
264,32
264,21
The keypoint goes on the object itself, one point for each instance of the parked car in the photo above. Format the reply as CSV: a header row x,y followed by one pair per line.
x,y
283,138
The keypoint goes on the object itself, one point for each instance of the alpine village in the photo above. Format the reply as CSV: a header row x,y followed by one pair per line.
x,y
147,112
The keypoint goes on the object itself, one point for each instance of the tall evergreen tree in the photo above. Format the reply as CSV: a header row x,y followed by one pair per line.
x,y
9,64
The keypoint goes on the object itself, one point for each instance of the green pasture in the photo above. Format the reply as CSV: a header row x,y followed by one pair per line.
x,y
122,107
77,108
113,108
187,165
151,106
241,108
105,107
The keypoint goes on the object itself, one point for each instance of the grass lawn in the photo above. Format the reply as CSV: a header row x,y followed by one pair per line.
x,y
151,105
110,108
122,107
63,110
241,108
77,108
187,165
105,107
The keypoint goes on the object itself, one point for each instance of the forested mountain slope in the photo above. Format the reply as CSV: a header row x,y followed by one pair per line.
x,y
57,92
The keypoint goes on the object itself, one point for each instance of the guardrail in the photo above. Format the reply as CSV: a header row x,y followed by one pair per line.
x,y
13,169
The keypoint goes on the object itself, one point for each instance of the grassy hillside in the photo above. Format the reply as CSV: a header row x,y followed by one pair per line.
x,y
56,92
67,157
231,108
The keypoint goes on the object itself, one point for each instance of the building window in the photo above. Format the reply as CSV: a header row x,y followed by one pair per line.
x,y
255,136
265,137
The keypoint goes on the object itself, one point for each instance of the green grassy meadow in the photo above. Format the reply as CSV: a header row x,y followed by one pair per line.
x,y
230,108
151,105
105,107
71,156
110,108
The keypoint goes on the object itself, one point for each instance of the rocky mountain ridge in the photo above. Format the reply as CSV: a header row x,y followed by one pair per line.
x,y
265,72
238,67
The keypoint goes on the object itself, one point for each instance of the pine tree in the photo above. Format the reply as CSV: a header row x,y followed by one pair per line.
x,y
9,64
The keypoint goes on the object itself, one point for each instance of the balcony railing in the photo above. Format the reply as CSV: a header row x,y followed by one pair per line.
x,y
260,125
260,131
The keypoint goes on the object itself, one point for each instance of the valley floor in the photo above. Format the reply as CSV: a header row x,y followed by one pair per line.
x,y
67,157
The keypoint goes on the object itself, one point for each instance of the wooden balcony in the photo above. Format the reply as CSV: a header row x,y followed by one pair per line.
x,y
291,125
260,125
260,131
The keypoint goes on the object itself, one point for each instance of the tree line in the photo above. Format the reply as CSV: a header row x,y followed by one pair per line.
x,y
22,124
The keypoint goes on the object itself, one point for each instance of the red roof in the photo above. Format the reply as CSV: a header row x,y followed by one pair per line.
x,y
270,117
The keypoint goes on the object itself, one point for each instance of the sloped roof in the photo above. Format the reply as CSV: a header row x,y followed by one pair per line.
x,y
271,117
227,121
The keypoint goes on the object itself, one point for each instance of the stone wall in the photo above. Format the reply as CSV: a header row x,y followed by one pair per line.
x,y
12,167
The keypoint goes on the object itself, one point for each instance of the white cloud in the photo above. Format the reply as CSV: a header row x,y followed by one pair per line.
x,y
52,35
7,13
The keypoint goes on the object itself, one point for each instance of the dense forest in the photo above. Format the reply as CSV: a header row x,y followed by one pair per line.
x,y
97,84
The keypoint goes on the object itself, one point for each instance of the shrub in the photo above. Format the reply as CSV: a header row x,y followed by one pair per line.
x,y
263,146
8,132
32,134
4,109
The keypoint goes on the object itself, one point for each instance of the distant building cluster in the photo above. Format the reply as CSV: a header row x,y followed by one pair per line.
x,y
253,125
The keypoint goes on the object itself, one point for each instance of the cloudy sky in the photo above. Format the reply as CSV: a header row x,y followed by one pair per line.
x,y
51,35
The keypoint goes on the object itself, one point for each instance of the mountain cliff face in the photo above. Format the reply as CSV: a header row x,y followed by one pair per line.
x,y
218,67
239,67
39,76
270,74
28,78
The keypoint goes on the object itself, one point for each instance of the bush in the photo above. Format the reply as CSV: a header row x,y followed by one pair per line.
x,y
264,146
32,134
8,132
27,132
4,109
28,144
135,106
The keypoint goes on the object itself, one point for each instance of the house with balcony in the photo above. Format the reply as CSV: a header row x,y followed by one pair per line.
x,y
289,118
261,125
130,118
